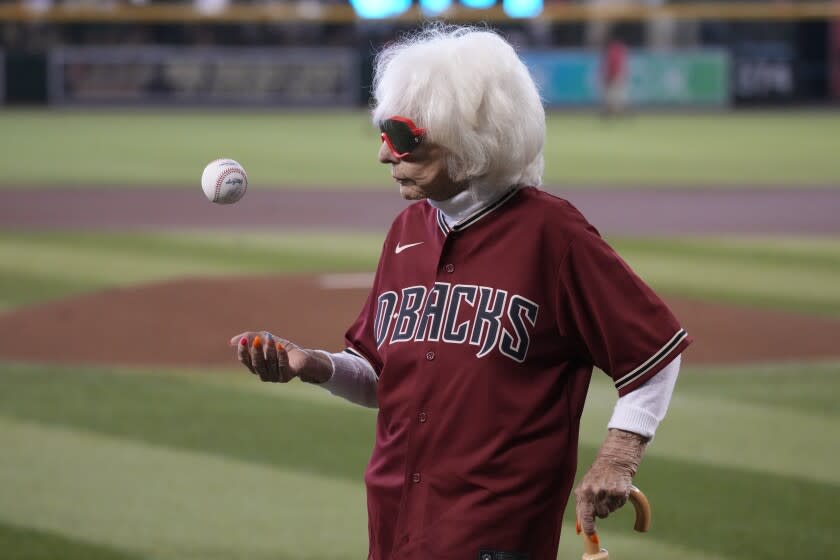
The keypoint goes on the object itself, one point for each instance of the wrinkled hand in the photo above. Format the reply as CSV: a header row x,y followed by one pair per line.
x,y
606,486
277,360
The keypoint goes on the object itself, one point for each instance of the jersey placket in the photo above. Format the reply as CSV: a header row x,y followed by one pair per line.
x,y
415,488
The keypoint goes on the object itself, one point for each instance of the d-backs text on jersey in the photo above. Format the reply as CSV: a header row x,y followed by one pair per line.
x,y
459,314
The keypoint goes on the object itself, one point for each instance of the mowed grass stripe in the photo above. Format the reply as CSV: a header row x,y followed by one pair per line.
x,y
173,504
694,149
18,287
784,386
181,412
808,251
737,513
166,148
25,543
706,425
338,148
789,273
187,253
40,266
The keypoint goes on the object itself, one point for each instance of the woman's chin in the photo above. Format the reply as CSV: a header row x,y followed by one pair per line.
x,y
411,192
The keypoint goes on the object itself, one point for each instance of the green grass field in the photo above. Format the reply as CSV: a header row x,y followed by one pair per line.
x,y
124,463
339,148
121,463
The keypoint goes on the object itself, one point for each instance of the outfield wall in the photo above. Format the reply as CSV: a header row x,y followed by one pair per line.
x,y
294,77
158,75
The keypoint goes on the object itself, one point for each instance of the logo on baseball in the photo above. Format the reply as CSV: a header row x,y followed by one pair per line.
x,y
224,181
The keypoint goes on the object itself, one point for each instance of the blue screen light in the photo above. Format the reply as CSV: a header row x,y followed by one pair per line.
x,y
478,4
434,7
522,8
379,9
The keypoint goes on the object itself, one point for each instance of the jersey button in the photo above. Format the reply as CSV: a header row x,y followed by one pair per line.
x,y
450,268
422,417
415,478
430,356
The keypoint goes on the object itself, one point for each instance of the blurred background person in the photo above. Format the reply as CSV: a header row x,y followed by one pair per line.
x,y
614,74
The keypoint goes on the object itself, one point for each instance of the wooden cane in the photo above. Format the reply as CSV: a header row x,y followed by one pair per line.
x,y
591,543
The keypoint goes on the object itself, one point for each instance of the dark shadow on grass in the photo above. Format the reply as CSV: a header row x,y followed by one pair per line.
x,y
23,543
184,413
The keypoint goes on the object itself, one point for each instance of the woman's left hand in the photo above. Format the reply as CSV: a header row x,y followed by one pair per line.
x,y
606,486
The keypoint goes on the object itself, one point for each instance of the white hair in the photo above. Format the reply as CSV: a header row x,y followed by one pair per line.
x,y
475,97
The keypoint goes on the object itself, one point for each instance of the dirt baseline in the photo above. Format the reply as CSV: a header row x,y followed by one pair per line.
x,y
189,321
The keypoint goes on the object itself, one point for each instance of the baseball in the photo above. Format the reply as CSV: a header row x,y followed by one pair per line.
x,y
224,181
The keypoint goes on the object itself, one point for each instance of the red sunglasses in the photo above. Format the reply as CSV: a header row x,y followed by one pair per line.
x,y
401,135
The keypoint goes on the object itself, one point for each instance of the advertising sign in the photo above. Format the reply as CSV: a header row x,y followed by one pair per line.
x,y
204,76
695,78
692,78
763,72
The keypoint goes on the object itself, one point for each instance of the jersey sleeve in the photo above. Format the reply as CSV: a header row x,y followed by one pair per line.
x,y
360,338
616,320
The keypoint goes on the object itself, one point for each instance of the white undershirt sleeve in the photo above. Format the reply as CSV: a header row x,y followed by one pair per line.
x,y
641,410
353,379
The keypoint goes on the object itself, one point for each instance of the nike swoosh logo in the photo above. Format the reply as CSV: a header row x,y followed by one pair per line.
x,y
401,248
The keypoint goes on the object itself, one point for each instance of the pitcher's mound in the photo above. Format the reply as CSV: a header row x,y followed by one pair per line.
x,y
189,322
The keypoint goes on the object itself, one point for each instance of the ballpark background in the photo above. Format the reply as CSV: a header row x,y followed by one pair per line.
x,y
128,430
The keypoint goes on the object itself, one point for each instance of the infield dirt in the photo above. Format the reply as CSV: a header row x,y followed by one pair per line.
x,y
189,322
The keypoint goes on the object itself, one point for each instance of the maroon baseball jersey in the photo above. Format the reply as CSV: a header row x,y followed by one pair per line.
x,y
484,336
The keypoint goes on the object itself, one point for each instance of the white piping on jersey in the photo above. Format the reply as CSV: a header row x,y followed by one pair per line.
x,y
653,361
475,216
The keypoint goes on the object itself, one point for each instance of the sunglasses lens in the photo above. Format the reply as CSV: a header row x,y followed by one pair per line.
x,y
402,139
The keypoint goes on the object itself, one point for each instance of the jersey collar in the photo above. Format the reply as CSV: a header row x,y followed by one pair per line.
x,y
477,215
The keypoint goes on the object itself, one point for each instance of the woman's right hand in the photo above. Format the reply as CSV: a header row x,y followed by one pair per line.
x,y
277,360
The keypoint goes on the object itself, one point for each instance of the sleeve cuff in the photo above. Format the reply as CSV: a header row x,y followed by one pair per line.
x,y
633,419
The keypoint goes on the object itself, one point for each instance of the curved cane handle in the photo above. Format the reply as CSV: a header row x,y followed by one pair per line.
x,y
591,543
642,507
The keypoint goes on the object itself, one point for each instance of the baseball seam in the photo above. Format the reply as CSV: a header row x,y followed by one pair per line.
x,y
224,174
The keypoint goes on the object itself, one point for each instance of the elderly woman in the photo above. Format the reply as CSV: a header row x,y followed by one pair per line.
x,y
491,304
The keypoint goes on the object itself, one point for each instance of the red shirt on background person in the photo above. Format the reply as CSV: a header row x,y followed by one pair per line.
x,y
614,67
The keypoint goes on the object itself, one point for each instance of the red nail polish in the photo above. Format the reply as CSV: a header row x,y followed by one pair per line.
x,y
243,341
